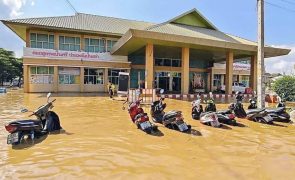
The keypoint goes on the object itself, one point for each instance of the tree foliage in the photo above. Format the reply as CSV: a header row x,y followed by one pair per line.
x,y
10,67
285,88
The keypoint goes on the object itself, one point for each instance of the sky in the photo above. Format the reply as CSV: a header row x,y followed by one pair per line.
x,y
236,17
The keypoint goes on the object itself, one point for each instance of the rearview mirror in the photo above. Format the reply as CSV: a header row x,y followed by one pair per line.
x,y
48,95
24,110
161,91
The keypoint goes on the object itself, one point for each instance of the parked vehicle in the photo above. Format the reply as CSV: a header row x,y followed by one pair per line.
x,y
210,119
259,115
172,119
140,118
237,107
47,121
236,86
3,90
197,108
224,116
278,114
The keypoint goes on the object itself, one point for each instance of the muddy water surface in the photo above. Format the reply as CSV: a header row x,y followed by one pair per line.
x,y
102,143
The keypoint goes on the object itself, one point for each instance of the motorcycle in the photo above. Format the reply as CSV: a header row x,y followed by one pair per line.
x,y
224,116
278,114
256,115
237,107
197,108
172,119
47,121
140,118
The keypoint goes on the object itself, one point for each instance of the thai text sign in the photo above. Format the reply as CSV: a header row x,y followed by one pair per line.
x,y
70,55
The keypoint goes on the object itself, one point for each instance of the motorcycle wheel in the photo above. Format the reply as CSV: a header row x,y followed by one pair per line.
x,y
148,130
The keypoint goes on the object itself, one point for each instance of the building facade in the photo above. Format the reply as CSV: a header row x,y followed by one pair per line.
x,y
83,52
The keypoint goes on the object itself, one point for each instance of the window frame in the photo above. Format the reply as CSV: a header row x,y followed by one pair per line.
x,y
50,43
97,76
49,75
75,44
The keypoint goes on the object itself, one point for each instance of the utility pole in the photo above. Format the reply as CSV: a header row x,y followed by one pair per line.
x,y
260,56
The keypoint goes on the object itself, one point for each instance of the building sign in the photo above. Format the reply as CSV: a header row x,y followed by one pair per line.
x,y
236,66
70,55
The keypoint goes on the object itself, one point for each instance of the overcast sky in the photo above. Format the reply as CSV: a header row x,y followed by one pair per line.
x,y
237,17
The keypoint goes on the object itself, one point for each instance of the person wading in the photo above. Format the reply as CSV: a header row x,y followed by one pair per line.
x,y
111,89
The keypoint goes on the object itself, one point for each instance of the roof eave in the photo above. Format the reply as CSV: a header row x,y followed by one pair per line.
x,y
149,36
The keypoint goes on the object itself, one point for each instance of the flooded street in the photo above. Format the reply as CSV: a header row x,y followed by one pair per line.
x,y
101,143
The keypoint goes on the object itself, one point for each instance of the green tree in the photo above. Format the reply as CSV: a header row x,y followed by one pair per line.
x,y
10,67
285,88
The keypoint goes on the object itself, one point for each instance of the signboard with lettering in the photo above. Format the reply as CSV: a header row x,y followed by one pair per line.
x,y
71,55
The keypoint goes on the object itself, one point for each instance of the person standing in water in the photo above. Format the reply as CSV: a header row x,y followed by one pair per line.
x,y
111,89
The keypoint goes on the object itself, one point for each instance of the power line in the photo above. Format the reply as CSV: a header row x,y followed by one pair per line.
x,y
288,1
281,7
73,8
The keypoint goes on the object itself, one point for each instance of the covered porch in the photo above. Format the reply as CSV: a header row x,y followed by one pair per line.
x,y
196,55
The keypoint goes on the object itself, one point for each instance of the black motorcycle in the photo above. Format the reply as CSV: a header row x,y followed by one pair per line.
x,y
172,119
237,107
197,109
47,121
224,116
278,114
259,115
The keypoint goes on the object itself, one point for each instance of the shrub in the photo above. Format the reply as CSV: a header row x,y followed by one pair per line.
x,y
285,88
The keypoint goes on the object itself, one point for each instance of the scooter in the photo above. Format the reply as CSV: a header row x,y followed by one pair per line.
x,y
237,107
172,119
224,116
278,114
197,108
256,115
47,121
140,118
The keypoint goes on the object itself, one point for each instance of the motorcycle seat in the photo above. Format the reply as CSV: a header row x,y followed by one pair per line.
x,y
250,111
26,122
227,111
275,110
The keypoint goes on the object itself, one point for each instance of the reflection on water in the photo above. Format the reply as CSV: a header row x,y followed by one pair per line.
x,y
101,142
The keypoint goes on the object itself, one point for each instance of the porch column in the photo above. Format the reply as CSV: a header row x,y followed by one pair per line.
x,y
253,73
106,79
81,79
149,66
55,79
229,72
26,78
185,70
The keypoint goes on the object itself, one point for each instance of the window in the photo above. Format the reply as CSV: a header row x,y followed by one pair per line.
x,y
168,62
41,75
98,45
69,75
245,79
110,44
93,76
217,80
69,43
43,41
114,75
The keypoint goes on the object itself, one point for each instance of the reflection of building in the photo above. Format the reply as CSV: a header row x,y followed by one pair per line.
x,y
81,53
241,73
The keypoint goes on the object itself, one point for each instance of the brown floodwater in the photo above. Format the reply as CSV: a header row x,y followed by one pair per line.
x,y
101,143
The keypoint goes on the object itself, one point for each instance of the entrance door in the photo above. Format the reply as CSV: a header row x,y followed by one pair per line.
x,y
176,84
164,83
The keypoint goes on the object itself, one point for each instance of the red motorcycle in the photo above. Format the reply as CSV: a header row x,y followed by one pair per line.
x,y
140,118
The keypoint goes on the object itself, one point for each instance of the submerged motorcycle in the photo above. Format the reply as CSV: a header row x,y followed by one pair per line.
x,y
140,118
224,116
172,119
256,115
47,121
278,114
208,118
